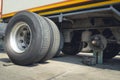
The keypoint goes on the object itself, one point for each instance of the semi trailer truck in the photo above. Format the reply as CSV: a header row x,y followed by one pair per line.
x,y
37,30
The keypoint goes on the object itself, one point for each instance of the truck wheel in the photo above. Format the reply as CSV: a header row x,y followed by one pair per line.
x,y
61,45
111,51
75,46
56,40
27,38
71,48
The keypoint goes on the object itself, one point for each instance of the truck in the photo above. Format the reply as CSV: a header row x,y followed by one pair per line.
x,y
37,30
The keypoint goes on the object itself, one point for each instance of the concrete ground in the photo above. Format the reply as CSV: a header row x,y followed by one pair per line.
x,y
61,68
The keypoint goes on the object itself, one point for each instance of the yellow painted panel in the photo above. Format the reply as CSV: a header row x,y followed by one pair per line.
x,y
67,2
81,7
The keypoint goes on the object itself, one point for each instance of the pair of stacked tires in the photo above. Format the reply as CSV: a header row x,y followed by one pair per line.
x,y
30,38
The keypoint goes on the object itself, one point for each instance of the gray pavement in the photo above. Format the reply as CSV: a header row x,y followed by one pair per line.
x,y
61,68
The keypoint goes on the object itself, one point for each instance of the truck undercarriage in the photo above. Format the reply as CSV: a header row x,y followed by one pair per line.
x,y
80,29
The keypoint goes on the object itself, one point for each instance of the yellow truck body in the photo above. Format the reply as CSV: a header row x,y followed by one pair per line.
x,y
49,7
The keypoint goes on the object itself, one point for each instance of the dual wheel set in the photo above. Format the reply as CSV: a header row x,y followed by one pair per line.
x,y
30,38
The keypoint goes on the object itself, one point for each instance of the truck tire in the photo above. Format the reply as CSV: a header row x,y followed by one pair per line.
x,y
56,40
61,45
50,35
111,51
75,46
27,38
71,48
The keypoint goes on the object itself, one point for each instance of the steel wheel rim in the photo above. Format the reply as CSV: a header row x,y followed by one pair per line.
x,y
20,37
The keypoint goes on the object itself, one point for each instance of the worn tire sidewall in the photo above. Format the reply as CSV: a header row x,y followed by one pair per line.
x,y
36,34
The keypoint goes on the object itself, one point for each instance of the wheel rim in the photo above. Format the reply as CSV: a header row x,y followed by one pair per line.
x,y
20,37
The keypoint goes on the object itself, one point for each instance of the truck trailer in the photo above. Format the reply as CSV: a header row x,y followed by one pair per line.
x,y
37,30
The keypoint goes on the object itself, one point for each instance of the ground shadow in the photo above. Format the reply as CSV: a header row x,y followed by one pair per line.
x,y
6,60
113,64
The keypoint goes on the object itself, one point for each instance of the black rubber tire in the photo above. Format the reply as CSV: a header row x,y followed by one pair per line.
x,y
55,41
48,28
75,46
40,39
61,45
111,51
71,48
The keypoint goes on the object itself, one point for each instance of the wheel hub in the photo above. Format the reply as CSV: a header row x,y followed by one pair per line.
x,y
21,36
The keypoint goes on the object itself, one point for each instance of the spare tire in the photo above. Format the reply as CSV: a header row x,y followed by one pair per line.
x,y
27,38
